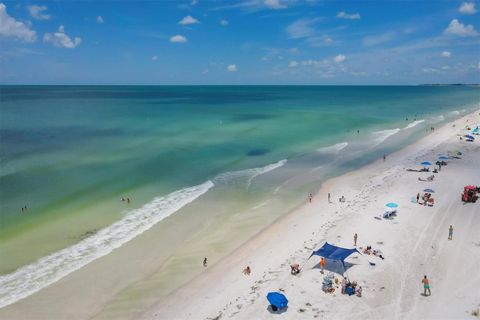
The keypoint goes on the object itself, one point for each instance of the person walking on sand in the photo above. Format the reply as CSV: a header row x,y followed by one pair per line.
x,y
205,262
355,237
384,158
426,286
310,196
247,271
450,233
322,264
418,197
329,197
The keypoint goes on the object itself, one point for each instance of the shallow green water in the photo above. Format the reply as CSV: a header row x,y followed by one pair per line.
x,y
70,153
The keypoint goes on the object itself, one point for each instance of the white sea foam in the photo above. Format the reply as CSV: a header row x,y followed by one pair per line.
x,y
439,118
49,269
413,124
455,112
336,148
249,174
383,135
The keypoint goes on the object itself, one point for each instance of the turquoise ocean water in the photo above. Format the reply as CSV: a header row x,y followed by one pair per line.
x,y
235,157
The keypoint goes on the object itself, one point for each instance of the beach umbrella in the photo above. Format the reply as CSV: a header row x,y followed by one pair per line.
x,y
469,136
426,163
443,158
391,205
429,190
277,299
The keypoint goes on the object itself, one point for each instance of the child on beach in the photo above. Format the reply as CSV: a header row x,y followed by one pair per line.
x,y
322,263
426,286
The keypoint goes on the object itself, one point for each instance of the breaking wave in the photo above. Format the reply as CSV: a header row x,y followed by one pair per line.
x,y
383,135
336,148
413,124
247,174
49,269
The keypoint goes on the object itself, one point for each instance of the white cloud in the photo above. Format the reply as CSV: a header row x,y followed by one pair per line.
x,y
154,58
100,19
60,39
224,22
446,54
339,58
459,29
275,4
350,16
232,68
178,39
374,40
188,20
293,64
301,28
37,12
467,8
11,28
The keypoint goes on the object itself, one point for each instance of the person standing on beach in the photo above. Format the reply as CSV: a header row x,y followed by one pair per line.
x,y
205,262
128,200
426,286
310,196
418,197
329,197
355,237
384,158
450,233
322,263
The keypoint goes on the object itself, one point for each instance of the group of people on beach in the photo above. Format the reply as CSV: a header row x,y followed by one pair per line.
x,y
24,209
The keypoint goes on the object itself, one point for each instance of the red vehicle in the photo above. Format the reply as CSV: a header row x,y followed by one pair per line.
x,y
470,194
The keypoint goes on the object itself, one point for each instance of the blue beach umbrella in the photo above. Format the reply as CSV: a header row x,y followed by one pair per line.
x,y
277,299
426,163
391,205
443,158
469,136
429,190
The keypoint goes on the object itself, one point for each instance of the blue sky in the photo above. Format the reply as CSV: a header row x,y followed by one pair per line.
x,y
239,42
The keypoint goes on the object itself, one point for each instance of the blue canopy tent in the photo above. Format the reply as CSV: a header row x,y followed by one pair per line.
x,y
331,252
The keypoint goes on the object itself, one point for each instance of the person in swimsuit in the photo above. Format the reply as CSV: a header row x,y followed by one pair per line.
x,y
426,286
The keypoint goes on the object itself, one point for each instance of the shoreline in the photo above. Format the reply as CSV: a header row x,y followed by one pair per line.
x,y
233,260
221,273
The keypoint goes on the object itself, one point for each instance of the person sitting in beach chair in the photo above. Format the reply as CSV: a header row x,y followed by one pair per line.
x,y
295,268
388,214
359,292
430,202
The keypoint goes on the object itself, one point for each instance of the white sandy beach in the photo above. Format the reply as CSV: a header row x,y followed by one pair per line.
x,y
414,244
